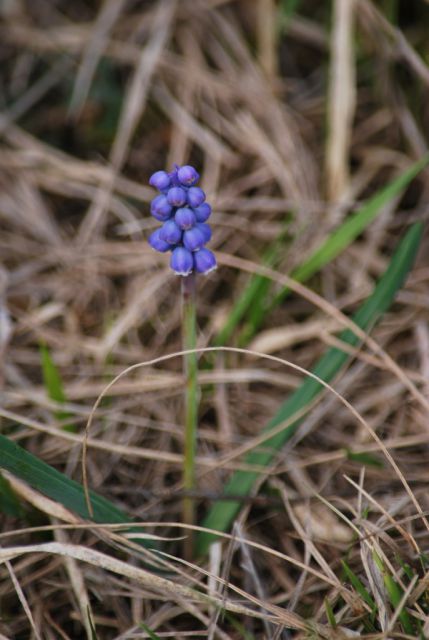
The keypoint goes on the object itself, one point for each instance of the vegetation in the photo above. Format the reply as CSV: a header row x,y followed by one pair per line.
x,y
307,123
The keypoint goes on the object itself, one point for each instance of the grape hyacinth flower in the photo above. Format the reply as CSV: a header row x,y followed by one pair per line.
x,y
183,212
182,209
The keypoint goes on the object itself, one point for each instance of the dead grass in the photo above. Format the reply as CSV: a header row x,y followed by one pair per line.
x,y
97,96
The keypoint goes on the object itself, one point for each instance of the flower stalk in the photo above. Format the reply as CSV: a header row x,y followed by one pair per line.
x,y
190,370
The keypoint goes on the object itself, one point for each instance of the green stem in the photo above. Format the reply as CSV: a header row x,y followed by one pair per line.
x,y
190,369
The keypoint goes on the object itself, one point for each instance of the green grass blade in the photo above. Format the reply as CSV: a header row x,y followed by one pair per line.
x,y
330,614
358,586
238,626
391,10
57,486
152,635
405,567
223,512
54,386
287,9
395,594
51,377
368,620
255,298
363,458
9,502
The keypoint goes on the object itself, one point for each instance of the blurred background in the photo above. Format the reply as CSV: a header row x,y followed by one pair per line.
x,y
296,113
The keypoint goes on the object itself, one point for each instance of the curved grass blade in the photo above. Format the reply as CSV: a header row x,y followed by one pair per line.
x,y
254,296
241,483
54,484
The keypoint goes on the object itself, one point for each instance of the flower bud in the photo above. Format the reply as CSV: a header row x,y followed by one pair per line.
x,y
202,212
181,261
205,230
187,175
204,261
160,209
160,180
170,232
176,196
196,196
194,239
157,243
185,218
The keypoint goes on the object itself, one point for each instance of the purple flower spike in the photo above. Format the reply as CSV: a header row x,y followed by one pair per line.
x,y
187,175
176,196
205,230
157,243
160,180
160,209
196,196
204,261
181,261
194,239
203,212
185,218
182,209
170,232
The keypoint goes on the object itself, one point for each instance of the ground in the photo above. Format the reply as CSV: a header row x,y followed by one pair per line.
x,y
308,124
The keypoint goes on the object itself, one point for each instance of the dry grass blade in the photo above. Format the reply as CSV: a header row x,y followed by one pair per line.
x,y
267,27
248,566
388,516
163,587
275,614
276,339
341,101
134,104
34,94
97,42
135,99
77,583
400,45
22,600
198,133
